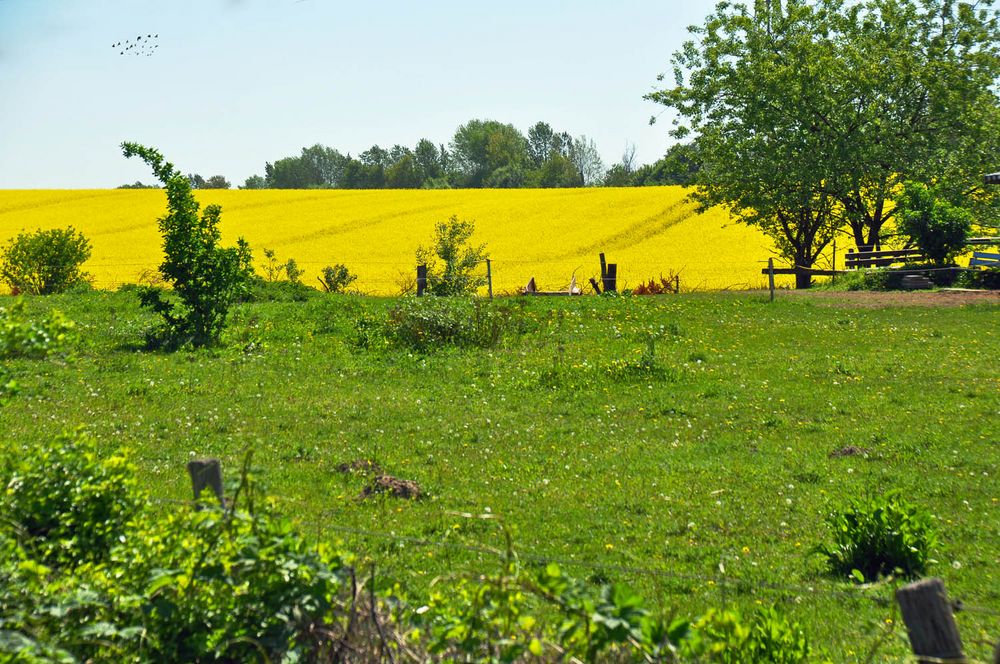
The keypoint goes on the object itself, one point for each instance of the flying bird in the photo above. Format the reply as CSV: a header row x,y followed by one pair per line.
x,y
141,45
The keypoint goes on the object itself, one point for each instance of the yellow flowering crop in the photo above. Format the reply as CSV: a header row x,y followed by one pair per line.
x,y
548,234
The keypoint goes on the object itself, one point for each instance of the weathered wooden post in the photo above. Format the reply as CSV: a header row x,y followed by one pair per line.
x,y
770,276
677,284
489,277
421,280
593,282
611,278
206,473
833,266
604,267
929,622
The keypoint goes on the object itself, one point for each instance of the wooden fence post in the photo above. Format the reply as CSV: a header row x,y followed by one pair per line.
x,y
593,282
770,276
610,278
206,473
929,622
677,284
421,280
489,277
604,267
833,277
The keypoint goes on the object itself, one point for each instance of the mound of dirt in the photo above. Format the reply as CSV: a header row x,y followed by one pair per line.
x,y
393,486
850,450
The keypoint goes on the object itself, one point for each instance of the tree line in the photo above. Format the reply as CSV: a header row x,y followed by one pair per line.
x,y
481,154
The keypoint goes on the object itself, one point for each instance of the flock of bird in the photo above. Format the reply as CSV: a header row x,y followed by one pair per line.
x,y
139,46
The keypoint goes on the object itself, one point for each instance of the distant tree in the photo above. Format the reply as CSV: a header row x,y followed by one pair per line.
x,y
326,164
540,142
506,177
428,160
254,182
587,160
197,182
404,174
216,182
292,173
618,176
480,147
558,171
137,185
375,156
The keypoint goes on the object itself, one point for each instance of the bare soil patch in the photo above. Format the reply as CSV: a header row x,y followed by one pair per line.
x,y
883,299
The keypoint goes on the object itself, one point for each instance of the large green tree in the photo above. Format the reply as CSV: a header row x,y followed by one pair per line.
x,y
819,110
481,147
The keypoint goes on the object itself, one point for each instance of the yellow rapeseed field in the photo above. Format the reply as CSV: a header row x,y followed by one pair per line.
x,y
548,234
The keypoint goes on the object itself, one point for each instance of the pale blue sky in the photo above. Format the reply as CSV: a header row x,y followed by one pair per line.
x,y
236,83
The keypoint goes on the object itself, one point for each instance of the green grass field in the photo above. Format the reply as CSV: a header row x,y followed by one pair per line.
x,y
705,485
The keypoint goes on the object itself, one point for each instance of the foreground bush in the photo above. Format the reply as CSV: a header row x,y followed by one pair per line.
x,y
880,535
92,570
45,262
22,337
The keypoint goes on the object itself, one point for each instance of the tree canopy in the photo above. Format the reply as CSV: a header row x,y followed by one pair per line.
x,y
810,115
481,153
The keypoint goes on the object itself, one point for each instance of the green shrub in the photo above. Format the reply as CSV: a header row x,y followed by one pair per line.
x,y
879,535
206,279
65,502
933,224
723,636
8,386
451,261
988,278
336,278
278,291
426,324
21,337
45,262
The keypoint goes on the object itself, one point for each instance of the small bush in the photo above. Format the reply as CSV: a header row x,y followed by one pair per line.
x,y
988,279
45,262
21,337
278,291
451,261
8,386
427,324
67,503
724,636
336,278
933,224
293,271
879,535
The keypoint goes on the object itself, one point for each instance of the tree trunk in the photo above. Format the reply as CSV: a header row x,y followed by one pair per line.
x,y
803,279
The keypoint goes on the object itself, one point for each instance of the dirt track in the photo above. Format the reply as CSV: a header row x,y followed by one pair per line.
x,y
880,299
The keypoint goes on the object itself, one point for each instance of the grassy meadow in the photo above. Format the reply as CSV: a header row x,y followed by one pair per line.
x,y
549,234
706,484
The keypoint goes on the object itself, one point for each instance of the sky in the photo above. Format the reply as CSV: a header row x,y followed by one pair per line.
x,y
237,83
